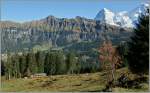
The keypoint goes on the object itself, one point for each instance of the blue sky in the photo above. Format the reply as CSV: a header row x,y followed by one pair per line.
x,y
26,10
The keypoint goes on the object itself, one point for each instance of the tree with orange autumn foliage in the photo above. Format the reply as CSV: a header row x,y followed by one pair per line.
x,y
109,59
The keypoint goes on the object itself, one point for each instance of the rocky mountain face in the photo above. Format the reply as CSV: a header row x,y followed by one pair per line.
x,y
59,33
77,33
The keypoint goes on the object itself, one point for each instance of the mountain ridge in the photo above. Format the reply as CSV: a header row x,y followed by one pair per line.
x,y
64,32
58,33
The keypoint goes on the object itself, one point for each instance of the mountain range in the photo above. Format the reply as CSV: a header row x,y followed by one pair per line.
x,y
123,18
80,34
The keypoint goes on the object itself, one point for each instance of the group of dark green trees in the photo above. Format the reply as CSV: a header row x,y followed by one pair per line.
x,y
51,63
135,53
138,52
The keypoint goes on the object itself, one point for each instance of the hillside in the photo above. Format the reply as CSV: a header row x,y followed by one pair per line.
x,y
90,82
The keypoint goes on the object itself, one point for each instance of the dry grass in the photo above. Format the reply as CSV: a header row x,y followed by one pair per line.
x,y
64,83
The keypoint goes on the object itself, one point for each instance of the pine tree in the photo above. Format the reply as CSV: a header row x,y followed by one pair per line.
x,y
27,71
138,54
39,62
71,62
8,67
22,64
16,66
13,66
78,68
46,63
52,63
123,50
33,65
3,68
60,63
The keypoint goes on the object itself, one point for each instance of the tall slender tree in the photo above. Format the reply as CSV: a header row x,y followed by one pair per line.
x,y
32,63
52,63
27,71
71,62
138,54
8,67
60,63
46,64
3,68
22,64
39,62
109,59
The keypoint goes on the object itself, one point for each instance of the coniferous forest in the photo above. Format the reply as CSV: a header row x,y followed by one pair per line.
x,y
51,63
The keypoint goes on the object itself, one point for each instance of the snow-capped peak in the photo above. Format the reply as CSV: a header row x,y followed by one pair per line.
x,y
106,10
105,16
135,13
124,18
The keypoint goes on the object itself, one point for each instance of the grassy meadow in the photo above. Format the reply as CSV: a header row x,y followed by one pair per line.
x,y
89,82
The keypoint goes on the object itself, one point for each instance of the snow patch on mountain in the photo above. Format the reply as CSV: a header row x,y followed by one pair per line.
x,y
135,13
123,20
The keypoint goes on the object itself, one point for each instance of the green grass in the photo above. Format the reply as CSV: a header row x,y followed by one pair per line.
x,y
92,82
42,47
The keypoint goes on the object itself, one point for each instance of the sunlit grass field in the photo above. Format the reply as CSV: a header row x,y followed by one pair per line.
x,y
89,82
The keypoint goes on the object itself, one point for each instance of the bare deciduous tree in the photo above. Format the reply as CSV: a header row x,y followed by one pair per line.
x,y
109,59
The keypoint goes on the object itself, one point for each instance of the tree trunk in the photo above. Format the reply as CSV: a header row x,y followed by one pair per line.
x,y
9,76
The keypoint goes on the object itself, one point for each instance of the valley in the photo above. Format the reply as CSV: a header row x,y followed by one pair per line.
x,y
106,53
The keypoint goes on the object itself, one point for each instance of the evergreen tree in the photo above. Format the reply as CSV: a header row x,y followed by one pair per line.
x,y
46,63
123,50
16,66
60,63
71,62
8,67
3,68
52,63
33,65
22,64
27,71
78,68
8,70
138,54
13,66
68,62
39,62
